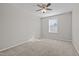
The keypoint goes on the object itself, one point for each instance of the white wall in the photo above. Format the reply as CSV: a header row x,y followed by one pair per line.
x,y
16,25
64,27
75,28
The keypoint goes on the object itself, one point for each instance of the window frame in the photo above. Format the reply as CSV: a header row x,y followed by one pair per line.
x,y
55,29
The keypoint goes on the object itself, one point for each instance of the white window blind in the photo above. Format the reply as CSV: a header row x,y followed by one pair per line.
x,y
53,25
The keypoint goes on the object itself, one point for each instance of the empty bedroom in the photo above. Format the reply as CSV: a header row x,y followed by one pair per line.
x,y
39,29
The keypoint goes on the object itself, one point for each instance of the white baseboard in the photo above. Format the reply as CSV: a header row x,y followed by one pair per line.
x,y
33,39
13,46
64,40
76,48
30,40
58,39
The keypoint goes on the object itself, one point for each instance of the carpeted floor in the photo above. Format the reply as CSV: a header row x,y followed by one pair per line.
x,y
43,47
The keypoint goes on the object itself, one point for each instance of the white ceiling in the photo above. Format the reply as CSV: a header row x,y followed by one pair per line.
x,y
57,8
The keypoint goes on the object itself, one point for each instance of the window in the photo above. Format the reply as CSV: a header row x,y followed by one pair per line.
x,y
53,25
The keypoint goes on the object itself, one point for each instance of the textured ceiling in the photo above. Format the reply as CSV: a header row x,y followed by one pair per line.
x,y
57,8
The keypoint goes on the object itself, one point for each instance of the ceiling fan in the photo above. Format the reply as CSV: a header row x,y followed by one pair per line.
x,y
44,7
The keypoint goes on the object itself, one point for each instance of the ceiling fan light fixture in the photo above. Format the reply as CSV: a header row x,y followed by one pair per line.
x,y
44,7
43,11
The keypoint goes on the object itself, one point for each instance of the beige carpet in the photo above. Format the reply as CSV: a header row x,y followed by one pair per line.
x,y
44,47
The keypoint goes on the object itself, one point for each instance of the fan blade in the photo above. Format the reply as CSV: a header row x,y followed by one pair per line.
x,y
39,5
49,9
38,10
48,4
